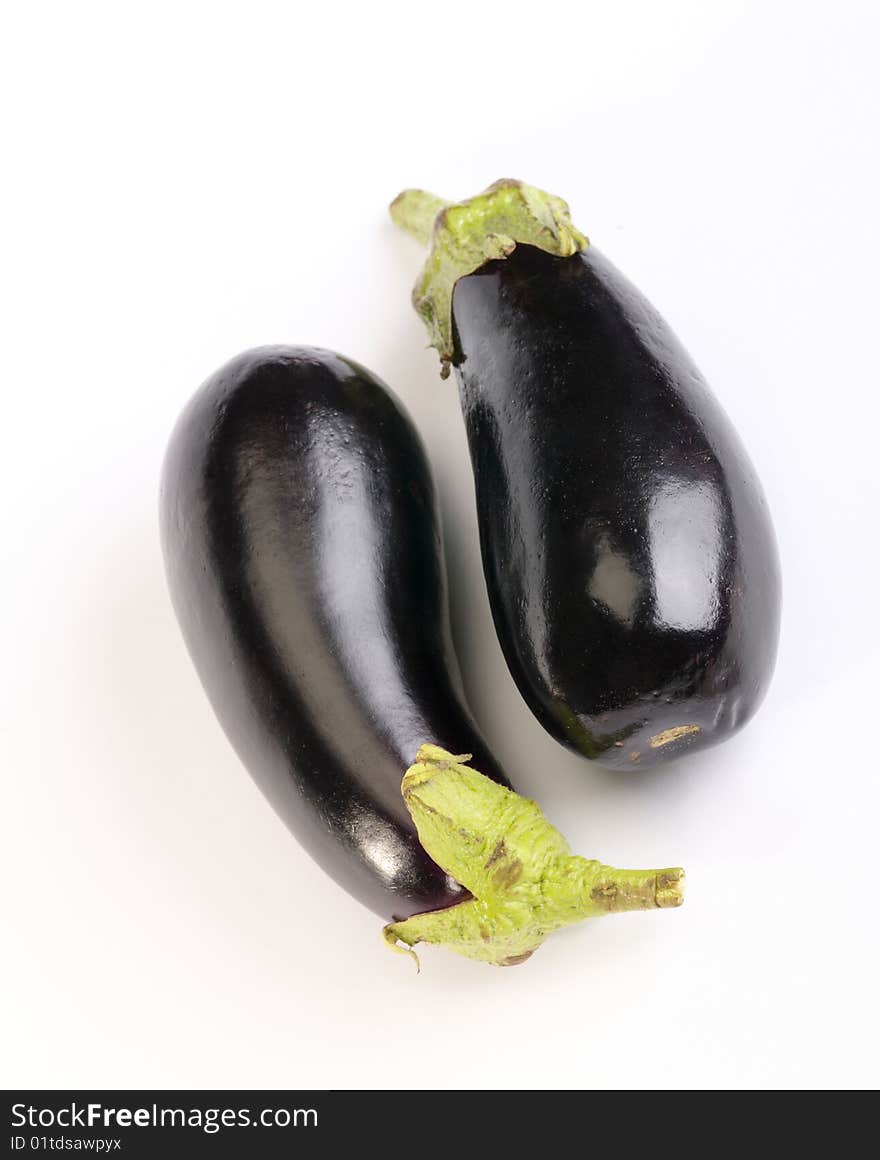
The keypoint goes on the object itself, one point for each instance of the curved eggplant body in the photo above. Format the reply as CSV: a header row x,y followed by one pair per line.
x,y
628,551
305,565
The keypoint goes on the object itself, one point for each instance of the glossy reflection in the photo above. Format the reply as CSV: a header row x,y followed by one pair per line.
x,y
615,583
686,554
627,547
305,564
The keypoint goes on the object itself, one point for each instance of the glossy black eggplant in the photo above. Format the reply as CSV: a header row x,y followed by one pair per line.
x,y
627,547
305,565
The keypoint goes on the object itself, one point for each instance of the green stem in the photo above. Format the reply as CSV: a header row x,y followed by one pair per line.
x,y
415,211
524,880
463,236
613,891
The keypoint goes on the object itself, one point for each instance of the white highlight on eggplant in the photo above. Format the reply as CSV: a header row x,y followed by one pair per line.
x,y
615,584
685,550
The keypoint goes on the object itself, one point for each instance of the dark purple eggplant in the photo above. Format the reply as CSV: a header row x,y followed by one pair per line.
x,y
305,564
628,551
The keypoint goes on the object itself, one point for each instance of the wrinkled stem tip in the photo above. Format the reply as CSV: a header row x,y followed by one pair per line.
x,y
669,889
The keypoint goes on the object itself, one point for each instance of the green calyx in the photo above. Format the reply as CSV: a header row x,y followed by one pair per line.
x,y
462,236
523,877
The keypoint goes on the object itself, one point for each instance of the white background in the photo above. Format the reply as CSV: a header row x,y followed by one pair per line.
x,y
187,180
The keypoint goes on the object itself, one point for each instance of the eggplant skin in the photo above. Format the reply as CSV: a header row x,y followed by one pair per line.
x,y
304,561
629,555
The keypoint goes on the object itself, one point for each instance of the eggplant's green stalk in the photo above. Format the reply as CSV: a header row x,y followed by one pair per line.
x,y
463,236
524,880
416,211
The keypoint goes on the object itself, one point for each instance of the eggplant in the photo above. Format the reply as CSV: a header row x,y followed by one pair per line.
x,y
305,565
628,551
